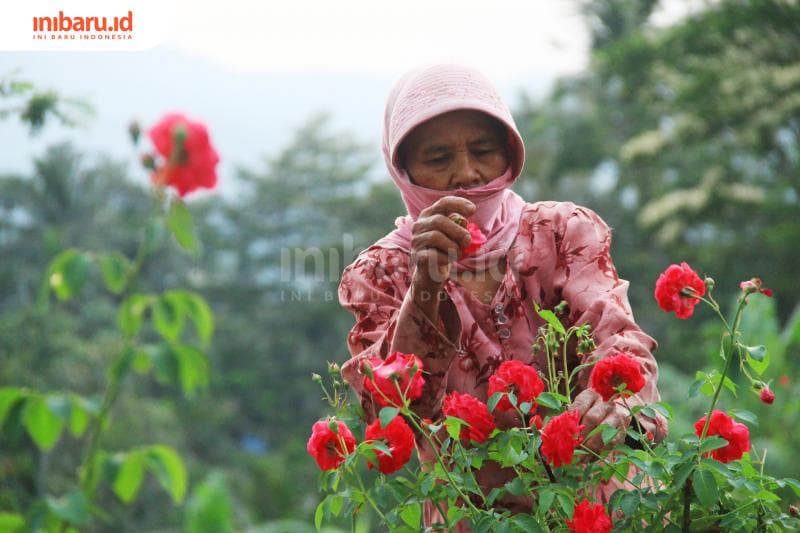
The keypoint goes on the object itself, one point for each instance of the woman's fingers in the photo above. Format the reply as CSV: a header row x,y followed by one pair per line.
x,y
447,205
441,223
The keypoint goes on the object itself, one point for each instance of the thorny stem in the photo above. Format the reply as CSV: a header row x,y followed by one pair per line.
x,y
687,503
441,464
112,389
734,347
368,497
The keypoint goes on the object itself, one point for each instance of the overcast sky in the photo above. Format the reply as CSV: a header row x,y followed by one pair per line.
x,y
255,70
504,38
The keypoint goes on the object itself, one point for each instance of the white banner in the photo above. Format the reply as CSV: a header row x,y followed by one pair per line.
x,y
85,25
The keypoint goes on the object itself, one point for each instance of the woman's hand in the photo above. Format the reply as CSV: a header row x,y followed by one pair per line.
x,y
594,411
436,241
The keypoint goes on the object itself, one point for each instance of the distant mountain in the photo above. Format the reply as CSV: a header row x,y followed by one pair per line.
x,y
250,115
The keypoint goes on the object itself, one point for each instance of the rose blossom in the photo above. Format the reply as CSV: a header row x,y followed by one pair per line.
x,y
398,437
479,421
560,437
398,371
611,372
478,240
329,447
589,518
190,163
517,377
737,435
675,288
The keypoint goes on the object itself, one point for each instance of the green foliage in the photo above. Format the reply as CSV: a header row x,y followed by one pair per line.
x,y
209,508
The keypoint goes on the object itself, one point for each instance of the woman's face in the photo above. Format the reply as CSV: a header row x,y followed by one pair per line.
x,y
460,149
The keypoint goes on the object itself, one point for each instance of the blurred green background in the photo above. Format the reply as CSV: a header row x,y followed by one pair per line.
x,y
685,139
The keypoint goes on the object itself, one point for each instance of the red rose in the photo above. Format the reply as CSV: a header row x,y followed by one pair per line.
x,y
560,437
536,422
737,435
190,163
478,240
675,289
400,372
517,377
589,518
328,446
611,372
767,396
480,422
398,437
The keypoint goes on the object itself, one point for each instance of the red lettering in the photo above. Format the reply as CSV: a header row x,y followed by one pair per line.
x,y
126,24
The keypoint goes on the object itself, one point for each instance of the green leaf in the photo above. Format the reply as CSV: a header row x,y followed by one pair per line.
x,y
757,352
453,426
131,312
548,399
694,388
744,416
551,319
192,368
494,399
42,424
793,484
427,484
608,433
516,486
705,486
387,414
412,515
12,523
9,396
165,364
168,316
199,312
336,504
209,508
682,473
712,443
121,364
319,515
79,416
546,498
169,469
129,476
67,273
758,358
72,508
114,267
179,221
629,503
526,523
379,446
566,503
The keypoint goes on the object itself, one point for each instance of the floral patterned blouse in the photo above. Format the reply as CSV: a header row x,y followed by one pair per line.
x,y
561,252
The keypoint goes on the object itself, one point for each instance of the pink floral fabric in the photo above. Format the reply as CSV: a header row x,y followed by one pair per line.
x,y
561,252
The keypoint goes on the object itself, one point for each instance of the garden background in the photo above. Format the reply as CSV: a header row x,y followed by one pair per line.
x,y
684,137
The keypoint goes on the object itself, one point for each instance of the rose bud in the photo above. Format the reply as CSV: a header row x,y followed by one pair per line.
x,y
767,396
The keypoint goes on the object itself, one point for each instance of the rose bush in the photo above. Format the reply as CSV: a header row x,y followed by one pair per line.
x,y
710,479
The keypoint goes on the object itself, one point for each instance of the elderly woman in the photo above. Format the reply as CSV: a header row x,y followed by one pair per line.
x,y
453,150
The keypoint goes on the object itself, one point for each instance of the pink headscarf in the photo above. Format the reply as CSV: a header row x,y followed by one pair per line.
x,y
421,95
